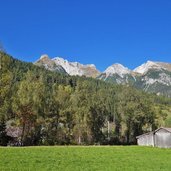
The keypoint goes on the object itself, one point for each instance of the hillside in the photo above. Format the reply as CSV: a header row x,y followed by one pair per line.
x,y
42,107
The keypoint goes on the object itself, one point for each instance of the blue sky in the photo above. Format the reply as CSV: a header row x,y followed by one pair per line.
x,y
102,32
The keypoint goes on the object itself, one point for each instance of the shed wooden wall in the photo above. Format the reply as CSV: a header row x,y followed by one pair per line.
x,y
146,140
163,138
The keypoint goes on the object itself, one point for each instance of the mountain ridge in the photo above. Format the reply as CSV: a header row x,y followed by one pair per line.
x,y
151,76
138,70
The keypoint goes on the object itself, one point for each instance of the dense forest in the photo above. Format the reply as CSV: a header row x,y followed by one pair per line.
x,y
40,107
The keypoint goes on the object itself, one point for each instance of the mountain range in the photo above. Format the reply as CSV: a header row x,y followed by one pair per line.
x,y
151,76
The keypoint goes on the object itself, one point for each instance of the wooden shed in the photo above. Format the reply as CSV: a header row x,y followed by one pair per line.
x,y
159,138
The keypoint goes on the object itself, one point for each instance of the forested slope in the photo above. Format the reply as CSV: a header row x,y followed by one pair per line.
x,y
40,107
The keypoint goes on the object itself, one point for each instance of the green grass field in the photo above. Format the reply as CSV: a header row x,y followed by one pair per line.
x,y
70,158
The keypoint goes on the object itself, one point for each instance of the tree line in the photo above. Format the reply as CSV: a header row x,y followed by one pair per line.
x,y
40,107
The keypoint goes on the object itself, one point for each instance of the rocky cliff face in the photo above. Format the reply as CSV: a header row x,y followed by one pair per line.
x,y
72,68
75,68
49,64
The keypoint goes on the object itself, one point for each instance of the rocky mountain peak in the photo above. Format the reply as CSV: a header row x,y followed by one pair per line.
x,y
117,69
144,68
44,57
75,68
46,62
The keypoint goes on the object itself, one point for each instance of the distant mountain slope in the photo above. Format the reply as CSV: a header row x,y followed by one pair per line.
x,y
150,65
156,80
151,76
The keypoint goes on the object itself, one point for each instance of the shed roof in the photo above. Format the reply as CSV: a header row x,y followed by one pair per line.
x,y
167,129
153,132
148,133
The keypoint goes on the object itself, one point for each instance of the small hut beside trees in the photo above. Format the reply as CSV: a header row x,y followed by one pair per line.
x,y
159,138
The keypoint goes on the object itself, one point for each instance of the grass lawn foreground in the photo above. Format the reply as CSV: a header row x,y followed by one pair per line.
x,y
84,158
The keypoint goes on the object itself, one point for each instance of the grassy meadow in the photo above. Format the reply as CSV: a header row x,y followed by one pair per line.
x,y
84,158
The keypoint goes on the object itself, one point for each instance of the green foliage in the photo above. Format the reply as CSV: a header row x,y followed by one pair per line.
x,y
52,108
